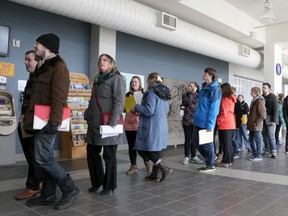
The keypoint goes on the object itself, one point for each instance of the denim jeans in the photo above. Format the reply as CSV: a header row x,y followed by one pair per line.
x,y
44,156
268,134
244,134
255,139
236,141
207,150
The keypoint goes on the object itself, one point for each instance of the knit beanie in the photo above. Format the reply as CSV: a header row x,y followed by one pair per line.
x,y
50,41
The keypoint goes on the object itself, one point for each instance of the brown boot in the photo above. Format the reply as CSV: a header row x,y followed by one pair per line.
x,y
133,169
219,158
149,167
28,193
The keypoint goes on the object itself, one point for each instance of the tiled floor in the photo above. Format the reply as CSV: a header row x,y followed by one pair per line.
x,y
248,188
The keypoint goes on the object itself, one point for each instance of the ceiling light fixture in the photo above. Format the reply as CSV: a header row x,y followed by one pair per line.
x,y
268,15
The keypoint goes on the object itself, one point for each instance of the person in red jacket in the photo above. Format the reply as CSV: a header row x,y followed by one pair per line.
x,y
226,124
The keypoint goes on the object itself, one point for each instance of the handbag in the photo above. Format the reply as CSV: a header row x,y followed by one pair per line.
x,y
105,116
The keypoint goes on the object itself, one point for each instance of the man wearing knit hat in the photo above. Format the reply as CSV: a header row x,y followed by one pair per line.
x,y
50,87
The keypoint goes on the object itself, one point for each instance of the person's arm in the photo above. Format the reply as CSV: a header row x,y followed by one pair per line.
x,y
149,106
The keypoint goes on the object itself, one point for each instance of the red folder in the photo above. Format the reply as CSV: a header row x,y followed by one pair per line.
x,y
41,117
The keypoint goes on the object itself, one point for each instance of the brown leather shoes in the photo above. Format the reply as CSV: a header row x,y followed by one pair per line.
x,y
28,193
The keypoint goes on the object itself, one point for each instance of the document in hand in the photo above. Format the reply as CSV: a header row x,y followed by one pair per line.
x,y
41,117
138,97
108,131
130,102
206,136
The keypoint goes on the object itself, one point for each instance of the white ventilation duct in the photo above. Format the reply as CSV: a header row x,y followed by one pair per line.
x,y
133,18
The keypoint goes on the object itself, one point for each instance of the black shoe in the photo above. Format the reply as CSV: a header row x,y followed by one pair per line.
x,y
93,189
106,192
67,199
42,200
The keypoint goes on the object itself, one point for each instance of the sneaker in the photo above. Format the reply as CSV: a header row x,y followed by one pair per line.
x,y
251,157
206,169
256,159
236,156
266,153
274,154
185,161
196,160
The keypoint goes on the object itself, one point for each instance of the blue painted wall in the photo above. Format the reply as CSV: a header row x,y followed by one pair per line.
x,y
26,24
133,54
140,56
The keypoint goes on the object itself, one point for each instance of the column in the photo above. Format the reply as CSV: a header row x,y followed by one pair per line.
x,y
103,40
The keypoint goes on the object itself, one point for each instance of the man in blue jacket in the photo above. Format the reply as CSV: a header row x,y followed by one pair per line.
x,y
205,116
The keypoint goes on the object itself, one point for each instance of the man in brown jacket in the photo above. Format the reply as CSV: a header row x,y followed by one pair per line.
x,y
50,87
255,123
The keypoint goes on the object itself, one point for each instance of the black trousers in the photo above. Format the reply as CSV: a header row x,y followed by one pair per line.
x,y
189,146
225,139
95,166
154,156
131,137
33,178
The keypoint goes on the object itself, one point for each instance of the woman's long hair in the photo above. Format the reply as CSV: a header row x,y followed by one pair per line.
x,y
226,90
140,84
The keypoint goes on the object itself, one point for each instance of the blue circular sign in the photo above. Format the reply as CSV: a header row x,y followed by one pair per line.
x,y
278,69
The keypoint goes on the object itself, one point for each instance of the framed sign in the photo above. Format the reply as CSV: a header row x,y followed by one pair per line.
x,y
278,69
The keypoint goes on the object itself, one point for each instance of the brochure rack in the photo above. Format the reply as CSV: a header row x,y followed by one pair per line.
x,y
72,143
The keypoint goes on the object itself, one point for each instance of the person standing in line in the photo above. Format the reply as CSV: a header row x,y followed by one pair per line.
x,y
189,102
50,87
270,122
152,135
226,124
108,95
280,119
285,114
131,127
255,123
205,116
237,140
244,119
27,141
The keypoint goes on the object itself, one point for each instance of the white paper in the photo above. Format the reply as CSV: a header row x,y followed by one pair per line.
x,y
206,136
108,131
21,85
138,97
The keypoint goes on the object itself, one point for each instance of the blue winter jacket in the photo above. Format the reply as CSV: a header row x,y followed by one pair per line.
x,y
208,106
152,134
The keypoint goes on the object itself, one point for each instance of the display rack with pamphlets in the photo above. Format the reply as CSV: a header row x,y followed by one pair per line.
x,y
72,143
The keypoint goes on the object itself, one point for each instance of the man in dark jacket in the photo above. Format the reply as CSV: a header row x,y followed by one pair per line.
x,y
270,122
50,87
285,114
26,140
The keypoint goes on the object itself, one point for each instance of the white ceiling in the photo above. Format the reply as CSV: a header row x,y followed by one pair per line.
x,y
252,8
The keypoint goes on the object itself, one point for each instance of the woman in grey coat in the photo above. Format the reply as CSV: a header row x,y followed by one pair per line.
x,y
152,135
109,89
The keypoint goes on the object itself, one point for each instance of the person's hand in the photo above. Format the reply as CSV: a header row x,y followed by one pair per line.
x,y
50,128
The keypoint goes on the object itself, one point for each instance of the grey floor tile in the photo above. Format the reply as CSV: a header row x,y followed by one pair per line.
x,y
137,207
157,211
114,212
